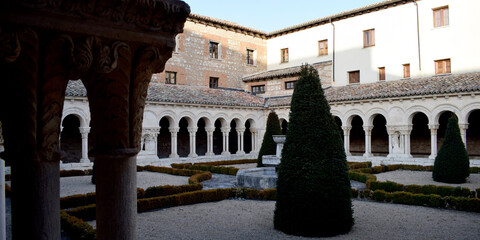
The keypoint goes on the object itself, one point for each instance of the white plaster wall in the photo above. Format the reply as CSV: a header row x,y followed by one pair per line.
x,y
396,42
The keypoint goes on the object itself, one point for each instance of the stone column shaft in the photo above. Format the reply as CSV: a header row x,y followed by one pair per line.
x,y
346,139
226,142
209,141
433,140
173,133
240,132
368,141
193,141
84,131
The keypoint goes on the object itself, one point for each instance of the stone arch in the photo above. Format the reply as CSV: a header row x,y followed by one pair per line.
x,y
150,118
79,113
351,114
466,111
283,116
190,117
284,125
201,136
442,120
218,124
338,122
248,136
439,110
233,143
473,133
410,113
170,115
373,113
222,117
183,135
207,117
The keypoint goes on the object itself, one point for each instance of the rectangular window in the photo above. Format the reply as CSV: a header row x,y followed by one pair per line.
x,y
354,77
381,73
442,66
213,50
250,56
322,47
258,89
369,38
440,17
284,55
406,70
290,85
213,82
170,77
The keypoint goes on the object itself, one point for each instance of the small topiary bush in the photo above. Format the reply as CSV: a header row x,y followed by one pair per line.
x,y
452,164
269,147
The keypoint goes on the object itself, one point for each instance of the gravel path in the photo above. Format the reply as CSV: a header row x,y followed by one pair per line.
x,y
424,178
249,219
81,185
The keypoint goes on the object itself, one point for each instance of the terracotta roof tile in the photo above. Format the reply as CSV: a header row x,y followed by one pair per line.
x,y
159,92
444,84
277,73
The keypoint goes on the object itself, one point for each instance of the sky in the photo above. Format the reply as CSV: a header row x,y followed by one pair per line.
x,y
271,15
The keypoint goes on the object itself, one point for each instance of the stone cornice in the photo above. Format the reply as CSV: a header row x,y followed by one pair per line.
x,y
226,25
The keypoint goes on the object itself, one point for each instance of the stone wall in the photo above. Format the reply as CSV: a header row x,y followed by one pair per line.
x,y
193,65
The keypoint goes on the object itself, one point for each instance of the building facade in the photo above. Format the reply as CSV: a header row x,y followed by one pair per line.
x,y
393,73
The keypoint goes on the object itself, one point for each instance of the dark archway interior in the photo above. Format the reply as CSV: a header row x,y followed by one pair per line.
x,y
247,138
357,137
217,138
420,136
201,138
338,122
284,126
379,136
71,140
164,139
183,141
442,121
473,134
233,139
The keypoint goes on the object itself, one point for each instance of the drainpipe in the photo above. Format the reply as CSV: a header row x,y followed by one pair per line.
x,y
333,51
418,37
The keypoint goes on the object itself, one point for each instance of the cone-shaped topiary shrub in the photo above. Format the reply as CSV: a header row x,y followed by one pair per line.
x,y
313,188
452,164
269,147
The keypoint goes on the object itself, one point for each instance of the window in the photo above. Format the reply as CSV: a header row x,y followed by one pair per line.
x,y
213,82
170,77
381,73
322,47
369,38
250,56
284,55
258,89
290,85
440,17
406,70
213,50
354,77
442,66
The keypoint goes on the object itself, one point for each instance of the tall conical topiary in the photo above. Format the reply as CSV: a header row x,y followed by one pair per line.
x,y
313,188
269,146
452,164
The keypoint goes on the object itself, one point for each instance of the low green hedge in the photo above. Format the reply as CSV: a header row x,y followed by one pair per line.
x,y
357,165
73,173
187,198
359,176
228,162
76,227
425,189
170,190
86,213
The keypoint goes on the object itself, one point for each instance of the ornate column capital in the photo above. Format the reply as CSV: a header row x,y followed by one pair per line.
x,y
433,127
173,129
225,129
84,130
240,129
192,129
209,129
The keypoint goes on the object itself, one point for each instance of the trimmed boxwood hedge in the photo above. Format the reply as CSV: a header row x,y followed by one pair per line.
x,y
76,227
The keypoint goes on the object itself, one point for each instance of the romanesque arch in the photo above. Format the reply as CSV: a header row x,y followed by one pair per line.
x,y
473,133
420,138
71,139
164,139
357,136
379,137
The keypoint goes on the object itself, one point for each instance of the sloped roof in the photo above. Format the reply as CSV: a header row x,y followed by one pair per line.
x,y
277,73
444,84
159,92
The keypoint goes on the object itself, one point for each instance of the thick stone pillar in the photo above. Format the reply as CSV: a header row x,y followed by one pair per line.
x,y
46,43
226,142
192,131
240,132
368,141
433,140
463,133
346,139
174,144
84,131
209,131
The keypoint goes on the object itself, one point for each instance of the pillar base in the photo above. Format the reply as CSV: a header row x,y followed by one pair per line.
x,y
226,153
240,153
432,157
209,154
84,160
193,155
173,156
367,155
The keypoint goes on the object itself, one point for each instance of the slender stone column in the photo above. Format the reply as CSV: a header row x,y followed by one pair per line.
x,y
193,141
226,142
346,139
209,131
368,141
84,131
254,140
240,132
173,133
463,133
433,140
406,133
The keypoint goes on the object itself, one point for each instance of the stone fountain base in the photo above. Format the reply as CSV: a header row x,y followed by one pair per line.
x,y
258,178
